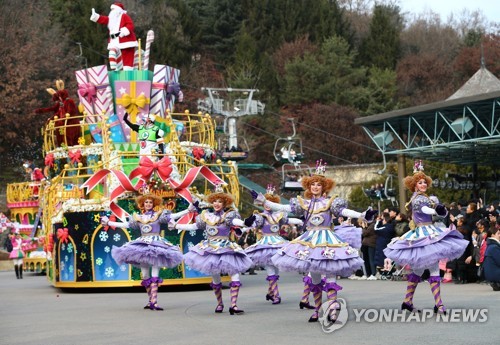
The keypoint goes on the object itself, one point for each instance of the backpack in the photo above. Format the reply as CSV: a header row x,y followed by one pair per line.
x,y
8,245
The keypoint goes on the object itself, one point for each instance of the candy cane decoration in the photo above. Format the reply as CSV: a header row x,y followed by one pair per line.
x,y
115,59
137,57
149,39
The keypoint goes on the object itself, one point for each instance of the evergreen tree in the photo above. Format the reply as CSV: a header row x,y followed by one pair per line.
x,y
381,48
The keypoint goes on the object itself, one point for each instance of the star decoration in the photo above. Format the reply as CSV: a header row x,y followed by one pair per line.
x,y
83,256
97,217
77,226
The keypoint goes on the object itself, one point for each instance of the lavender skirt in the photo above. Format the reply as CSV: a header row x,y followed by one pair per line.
x,y
217,256
263,250
349,234
320,251
148,251
426,251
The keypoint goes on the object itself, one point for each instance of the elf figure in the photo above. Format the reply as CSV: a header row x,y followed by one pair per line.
x,y
121,32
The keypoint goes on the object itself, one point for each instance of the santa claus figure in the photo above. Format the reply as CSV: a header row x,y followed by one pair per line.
x,y
121,32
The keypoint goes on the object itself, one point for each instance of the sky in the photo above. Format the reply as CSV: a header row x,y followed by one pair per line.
x,y
489,8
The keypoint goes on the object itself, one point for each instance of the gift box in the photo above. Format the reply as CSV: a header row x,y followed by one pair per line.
x,y
132,97
94,92
162,76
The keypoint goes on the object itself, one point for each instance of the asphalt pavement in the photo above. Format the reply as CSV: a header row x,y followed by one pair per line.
x,y
34,312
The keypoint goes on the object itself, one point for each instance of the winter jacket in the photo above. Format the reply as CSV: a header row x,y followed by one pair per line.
x,y
491,264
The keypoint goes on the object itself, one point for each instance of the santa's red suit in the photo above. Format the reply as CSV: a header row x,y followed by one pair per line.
x,y
121,32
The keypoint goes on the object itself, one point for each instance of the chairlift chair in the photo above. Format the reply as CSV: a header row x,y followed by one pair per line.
x,y
289,185
239,153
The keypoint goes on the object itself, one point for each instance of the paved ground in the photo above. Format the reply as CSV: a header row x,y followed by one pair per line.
x,y
33,312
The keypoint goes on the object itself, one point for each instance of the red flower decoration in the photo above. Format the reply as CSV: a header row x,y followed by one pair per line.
x,y
62,234
49,160
198,152
75,156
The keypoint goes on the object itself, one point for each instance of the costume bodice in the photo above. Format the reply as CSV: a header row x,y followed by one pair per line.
x,y
419,201
318,212
217,223
149,222
270,222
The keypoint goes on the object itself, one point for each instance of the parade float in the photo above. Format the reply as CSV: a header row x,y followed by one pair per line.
x,y
94,166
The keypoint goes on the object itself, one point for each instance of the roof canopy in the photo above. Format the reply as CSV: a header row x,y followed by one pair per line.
x,y
464,129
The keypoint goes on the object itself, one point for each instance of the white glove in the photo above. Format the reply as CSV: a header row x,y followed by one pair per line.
x,y
171,224
124,32
94,17
152,117
104,220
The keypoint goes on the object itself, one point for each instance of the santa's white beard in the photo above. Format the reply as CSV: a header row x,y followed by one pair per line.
x,y
115,16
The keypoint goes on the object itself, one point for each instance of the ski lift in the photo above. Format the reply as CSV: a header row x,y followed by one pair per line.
x,y
291,175
232,153
385,191
289,149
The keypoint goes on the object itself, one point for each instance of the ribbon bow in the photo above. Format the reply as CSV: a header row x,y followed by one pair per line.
x,y
132,104
198,152
75,156
49,160
87,90
146,168
62,234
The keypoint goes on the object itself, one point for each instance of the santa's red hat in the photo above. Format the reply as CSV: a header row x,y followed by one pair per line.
x,y
117,4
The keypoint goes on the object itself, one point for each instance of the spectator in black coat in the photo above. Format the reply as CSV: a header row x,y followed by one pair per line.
x,y
491,263
384,230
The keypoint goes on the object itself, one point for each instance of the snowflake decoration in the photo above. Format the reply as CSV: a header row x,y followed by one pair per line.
x,y
123,268
103,236
98,261
192,233
116,237
70,268
66,258
188,268
62,266
190,245
70,247
107,249
109,272
63,247
205,235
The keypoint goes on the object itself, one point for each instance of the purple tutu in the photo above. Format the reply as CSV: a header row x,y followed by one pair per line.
x,y
148,251
349,234
319,251
217,256
263,250
424,252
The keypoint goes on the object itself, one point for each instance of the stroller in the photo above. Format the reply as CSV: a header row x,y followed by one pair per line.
x,y
394,272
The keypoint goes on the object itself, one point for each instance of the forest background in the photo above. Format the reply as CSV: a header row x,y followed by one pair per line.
x,y
322,62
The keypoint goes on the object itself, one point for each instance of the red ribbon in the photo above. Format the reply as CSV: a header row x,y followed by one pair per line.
x,y
49,160
198,152
88,91
147,167
62,234
75,156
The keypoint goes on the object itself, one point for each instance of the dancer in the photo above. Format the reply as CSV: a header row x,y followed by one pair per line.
x,y
318,250
17,254
422,247
217,255
269,223
150,251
